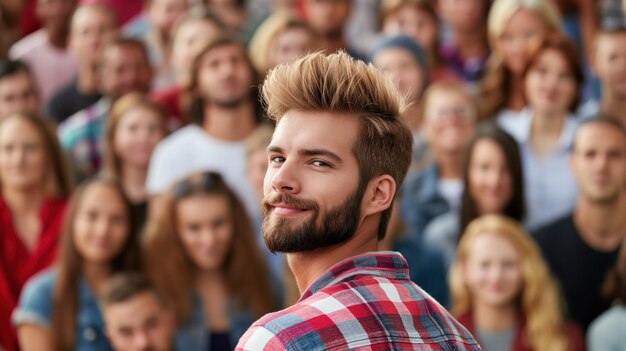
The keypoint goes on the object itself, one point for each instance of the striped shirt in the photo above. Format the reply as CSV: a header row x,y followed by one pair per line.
x,y
365,302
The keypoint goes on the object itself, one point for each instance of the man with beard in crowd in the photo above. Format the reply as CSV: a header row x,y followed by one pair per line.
x,y
337,156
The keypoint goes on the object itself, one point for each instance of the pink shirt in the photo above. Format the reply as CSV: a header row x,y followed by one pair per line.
x,y
52,67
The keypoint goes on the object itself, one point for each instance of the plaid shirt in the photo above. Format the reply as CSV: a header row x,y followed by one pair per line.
x,y
82,137
365,302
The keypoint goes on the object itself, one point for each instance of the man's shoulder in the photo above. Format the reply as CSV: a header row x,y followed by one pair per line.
x,y
362,313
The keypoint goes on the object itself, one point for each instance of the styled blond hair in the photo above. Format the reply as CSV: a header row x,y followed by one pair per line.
x,y
338,83
494,88
539,299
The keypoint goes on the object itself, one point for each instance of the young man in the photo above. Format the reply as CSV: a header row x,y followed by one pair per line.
x,y
328,194
136,315
18,90
224,113
92,26
123,68
583,246
45,50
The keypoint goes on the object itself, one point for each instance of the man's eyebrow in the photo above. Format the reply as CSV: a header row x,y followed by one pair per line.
x,y
309,152
321,152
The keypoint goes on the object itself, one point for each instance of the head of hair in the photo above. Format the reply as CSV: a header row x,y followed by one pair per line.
x,y
495,87
96,7
338,83
10,68
59,182
602,119
407,44
126,285
199,13
128,102
539,298
70,264
567,49
389,7
262,43
450,86
516,207
119,42
195,102
172,269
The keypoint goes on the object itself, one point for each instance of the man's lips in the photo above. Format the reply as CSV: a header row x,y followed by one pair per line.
x,y
282,209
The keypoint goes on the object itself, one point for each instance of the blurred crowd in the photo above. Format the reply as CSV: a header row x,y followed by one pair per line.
x,y
133,154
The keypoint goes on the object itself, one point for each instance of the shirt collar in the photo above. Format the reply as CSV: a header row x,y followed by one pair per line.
x,y
383,264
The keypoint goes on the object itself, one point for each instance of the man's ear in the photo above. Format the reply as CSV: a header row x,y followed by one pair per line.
x,y
379,194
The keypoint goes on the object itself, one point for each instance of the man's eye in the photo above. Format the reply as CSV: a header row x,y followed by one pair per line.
x,y
319,163
277,159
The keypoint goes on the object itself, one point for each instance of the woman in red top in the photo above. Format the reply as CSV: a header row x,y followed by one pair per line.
x,y
34,185
502,291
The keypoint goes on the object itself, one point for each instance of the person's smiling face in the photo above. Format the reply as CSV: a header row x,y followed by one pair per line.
x,y
312,187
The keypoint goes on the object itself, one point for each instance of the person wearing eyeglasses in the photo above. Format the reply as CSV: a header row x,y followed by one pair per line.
x,y
449,119
201,252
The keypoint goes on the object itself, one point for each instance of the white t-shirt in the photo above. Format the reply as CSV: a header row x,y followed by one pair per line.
x,y
451,190
190,150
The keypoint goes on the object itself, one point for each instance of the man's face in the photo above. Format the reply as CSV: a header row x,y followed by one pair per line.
x,y
599,162
139,324
327,17
125,69
18,93
91,29
312,190
610,63
225,76
165,13
55,14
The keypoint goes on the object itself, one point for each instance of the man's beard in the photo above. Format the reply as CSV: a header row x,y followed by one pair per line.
x,y
337,226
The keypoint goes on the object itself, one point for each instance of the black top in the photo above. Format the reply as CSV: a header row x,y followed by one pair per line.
x,y
68,100
579,268
220,342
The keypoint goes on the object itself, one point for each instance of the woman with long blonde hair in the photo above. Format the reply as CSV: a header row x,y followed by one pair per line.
x,y
503,293
201,252
515,28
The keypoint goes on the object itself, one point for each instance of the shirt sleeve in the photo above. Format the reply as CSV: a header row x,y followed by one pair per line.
x,y
259,338
35,305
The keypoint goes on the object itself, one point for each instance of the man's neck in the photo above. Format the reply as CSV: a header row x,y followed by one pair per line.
x,y
231,124
613,105
601,225
450,165
307,267
87,81
58,40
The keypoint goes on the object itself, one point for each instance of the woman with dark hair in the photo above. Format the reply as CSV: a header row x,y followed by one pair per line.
x,y
134,128
201,252
59,309
35,184
545,130
493,183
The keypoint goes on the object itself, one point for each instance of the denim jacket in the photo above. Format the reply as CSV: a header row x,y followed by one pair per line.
x,y
194,335
36,303
421,201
